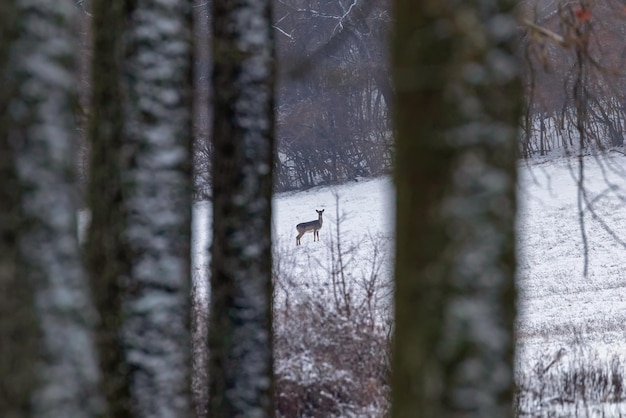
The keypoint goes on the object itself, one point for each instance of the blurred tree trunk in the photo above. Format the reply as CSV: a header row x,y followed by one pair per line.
x,y
458,97
107,255
158,179
48,366
19,328
139,193
240,331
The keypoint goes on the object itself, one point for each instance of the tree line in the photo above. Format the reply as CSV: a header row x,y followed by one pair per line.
x,y
333,94
573,58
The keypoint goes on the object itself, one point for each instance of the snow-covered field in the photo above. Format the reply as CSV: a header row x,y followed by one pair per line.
x,y
571,350
560,309
360,212
558,305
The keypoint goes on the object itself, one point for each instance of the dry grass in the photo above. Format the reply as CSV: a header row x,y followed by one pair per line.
x,y
574,382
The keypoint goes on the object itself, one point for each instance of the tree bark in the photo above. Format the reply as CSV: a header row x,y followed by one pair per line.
x,y
48,366
107,254
19,328
240,331
140,198
158,138
457,109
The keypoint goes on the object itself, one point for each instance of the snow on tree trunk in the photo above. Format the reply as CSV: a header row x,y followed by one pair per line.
x,y
457,111
156,306
140,197
38,132
240,332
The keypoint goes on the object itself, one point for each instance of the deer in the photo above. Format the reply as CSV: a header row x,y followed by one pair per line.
x,y
314,226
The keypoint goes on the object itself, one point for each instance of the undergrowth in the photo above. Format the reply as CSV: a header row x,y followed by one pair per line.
x,y
573,382
332,339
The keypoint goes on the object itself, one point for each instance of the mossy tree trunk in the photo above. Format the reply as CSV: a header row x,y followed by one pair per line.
x,y
457,109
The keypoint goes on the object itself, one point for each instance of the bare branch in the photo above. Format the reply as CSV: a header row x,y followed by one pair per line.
x,y
547,33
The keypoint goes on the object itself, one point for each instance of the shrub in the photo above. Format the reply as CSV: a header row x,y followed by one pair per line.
x,y
329,365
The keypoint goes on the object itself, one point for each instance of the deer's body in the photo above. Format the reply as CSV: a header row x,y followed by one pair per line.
x,y
311,226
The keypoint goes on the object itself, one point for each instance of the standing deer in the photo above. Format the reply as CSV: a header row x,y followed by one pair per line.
x,y
314,226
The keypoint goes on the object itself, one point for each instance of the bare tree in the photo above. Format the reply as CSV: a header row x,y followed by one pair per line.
x,y
574,52
573,57
333,91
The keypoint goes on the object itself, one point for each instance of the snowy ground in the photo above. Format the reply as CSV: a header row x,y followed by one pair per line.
x,y
360,212
559,308
558,305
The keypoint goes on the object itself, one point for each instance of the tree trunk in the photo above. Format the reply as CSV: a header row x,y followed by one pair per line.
x,y
457,106
240,331
158,179
107,254
139,193
19,328
48,366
